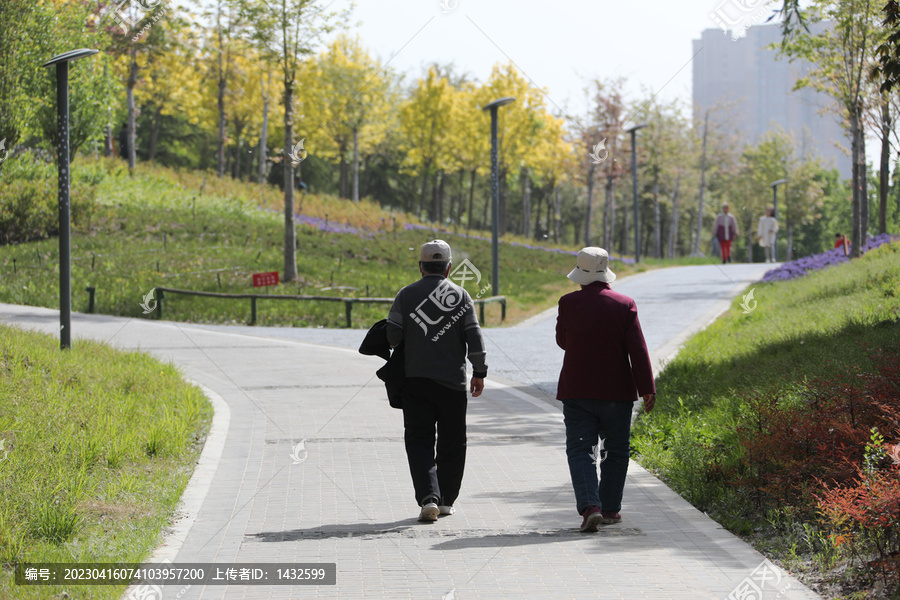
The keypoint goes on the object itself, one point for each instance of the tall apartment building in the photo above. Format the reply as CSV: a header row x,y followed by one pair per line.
x,y
753,89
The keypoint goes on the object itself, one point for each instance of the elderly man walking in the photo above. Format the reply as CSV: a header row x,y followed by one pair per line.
x,y
435,319
606,366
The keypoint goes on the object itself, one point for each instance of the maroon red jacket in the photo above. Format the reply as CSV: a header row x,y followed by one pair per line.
x,y
599,330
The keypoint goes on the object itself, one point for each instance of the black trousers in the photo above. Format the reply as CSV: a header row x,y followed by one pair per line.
x,y
428,405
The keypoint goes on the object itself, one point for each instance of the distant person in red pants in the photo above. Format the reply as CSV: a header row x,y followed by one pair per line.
x,y
841,240
726,230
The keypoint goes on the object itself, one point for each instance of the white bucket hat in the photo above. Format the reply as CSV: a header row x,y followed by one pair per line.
x,y
592,264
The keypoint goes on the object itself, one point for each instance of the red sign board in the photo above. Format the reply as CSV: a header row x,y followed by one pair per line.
x,y
263,279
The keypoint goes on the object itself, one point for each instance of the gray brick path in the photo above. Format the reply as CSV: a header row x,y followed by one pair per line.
x,y
347,497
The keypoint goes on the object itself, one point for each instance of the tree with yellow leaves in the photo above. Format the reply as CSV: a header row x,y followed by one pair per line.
x,y
424,121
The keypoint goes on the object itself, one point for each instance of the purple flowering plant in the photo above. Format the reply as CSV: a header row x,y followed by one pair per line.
x,y
835,256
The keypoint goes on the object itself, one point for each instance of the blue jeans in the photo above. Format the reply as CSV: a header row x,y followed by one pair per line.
x,y
586,421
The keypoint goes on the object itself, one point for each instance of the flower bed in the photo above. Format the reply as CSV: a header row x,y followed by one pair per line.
x,y
801,266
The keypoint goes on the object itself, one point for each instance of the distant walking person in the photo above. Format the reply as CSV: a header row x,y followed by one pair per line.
x,y
606,366
841,241
768,227
726,230
435,319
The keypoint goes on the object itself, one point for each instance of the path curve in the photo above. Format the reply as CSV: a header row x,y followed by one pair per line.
x,y
349,500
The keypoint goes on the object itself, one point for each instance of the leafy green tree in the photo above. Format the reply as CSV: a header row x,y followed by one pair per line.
x,y
286,31
840,45
36,32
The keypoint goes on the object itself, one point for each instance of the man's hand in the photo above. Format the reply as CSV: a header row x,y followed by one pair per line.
x,y
476,386
649,402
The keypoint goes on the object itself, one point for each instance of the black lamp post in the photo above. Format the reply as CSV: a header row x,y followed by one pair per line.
x,y
62,150
637,235
775,214
495,195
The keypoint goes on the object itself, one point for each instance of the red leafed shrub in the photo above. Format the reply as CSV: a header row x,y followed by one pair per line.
x,y
866,517
792,446
831,453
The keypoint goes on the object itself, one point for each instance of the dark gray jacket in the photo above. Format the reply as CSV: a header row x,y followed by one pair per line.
x,y
435,319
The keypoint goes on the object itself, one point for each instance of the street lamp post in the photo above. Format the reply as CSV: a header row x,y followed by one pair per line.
x,y
634,187
495,194
61,61
774,187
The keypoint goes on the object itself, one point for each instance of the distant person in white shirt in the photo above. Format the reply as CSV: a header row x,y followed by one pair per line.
x,y
768,227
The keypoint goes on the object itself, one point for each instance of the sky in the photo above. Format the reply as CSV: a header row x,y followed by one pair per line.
x,y
559,45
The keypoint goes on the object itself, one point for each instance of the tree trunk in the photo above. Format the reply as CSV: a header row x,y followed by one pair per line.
x,y
487,203
439,197
344,183
857,157
290,235
264,134
606,207
526,203
433,212
154,133
424,195
471,213
590,205
626,227
863,190
790,241
696,251
673,226
220,153
557,215
611,209
657,233
537,213
355,166
460,204
132,126
884,167
502,202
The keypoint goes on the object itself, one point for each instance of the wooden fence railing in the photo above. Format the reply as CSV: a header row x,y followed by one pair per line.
x,y
161,293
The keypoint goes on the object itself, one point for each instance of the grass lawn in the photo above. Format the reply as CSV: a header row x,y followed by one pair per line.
x,y
165,228
825,326
98,447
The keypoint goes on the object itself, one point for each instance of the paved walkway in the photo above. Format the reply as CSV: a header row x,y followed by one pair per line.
x,y
347,498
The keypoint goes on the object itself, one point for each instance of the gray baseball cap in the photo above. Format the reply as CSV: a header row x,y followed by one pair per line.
x,y
435,251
